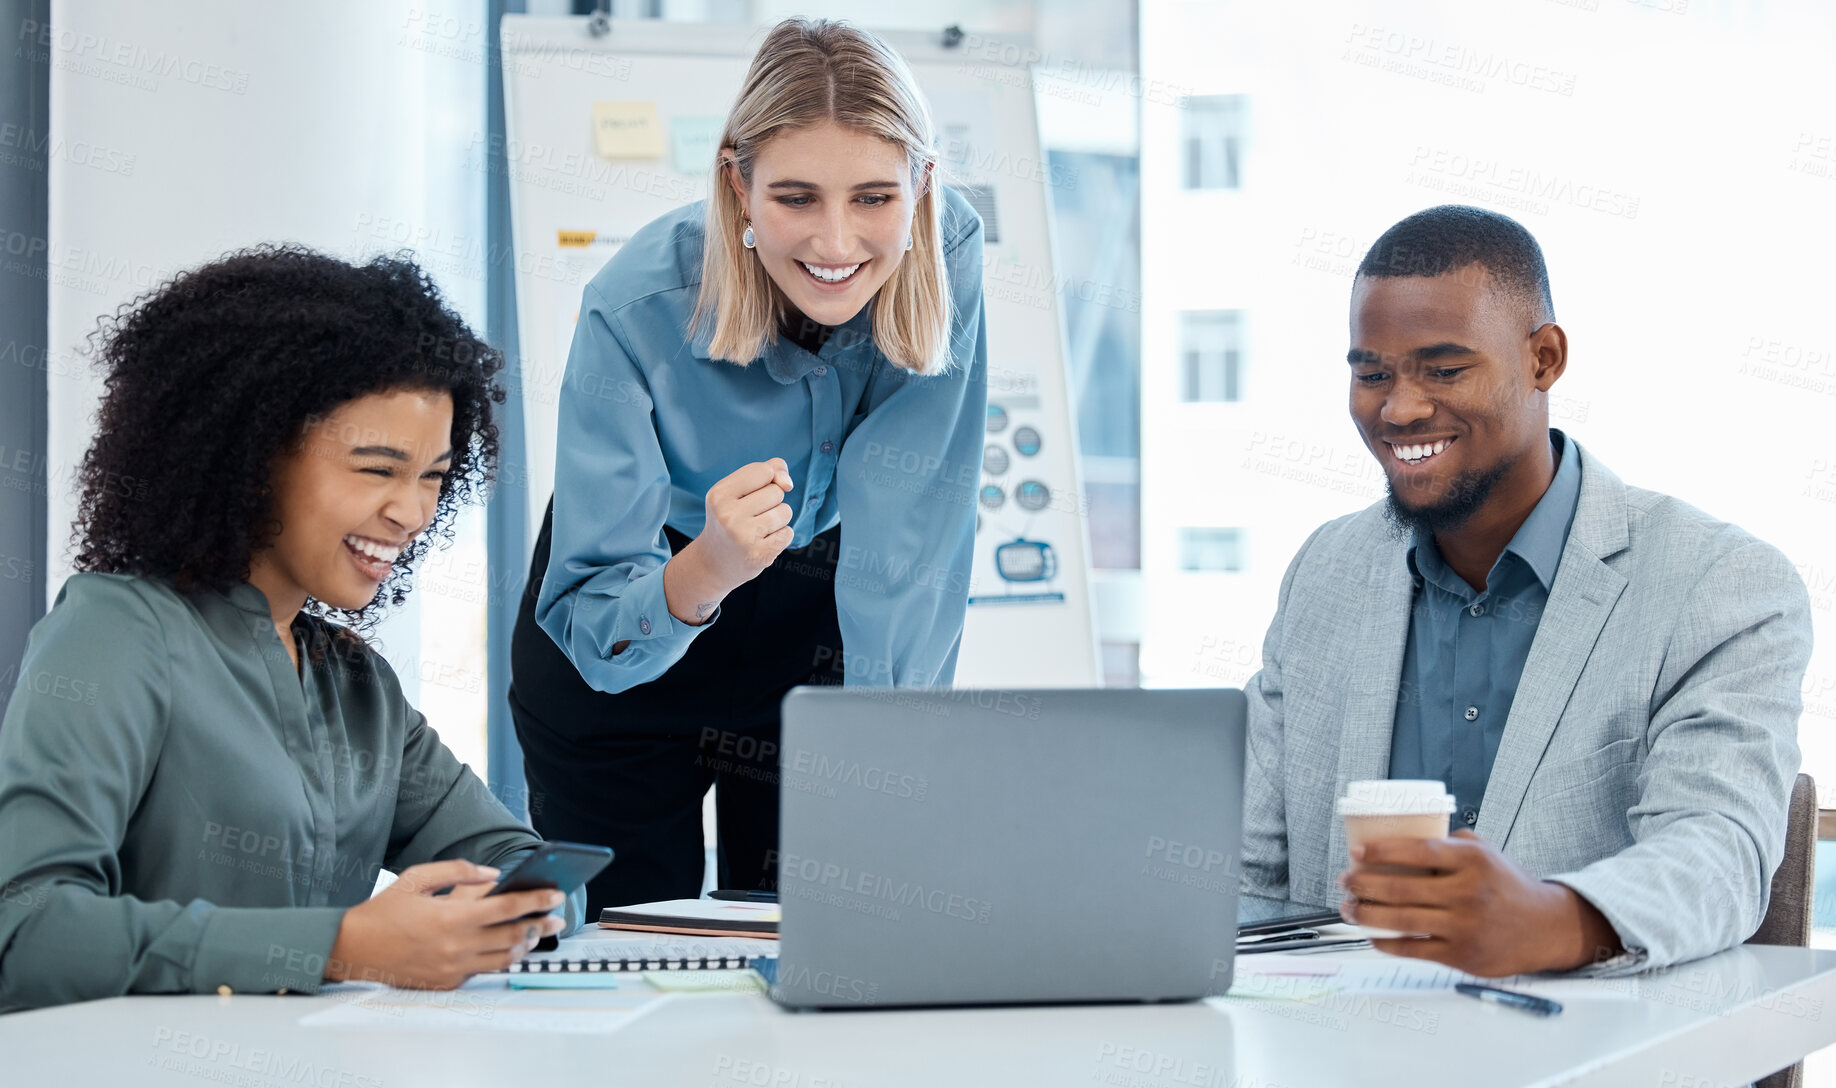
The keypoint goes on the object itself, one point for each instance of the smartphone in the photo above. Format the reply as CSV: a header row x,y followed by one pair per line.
x,y
564,865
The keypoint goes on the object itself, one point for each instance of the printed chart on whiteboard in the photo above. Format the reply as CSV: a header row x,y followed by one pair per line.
x,y
1018,531
604,134
1009,529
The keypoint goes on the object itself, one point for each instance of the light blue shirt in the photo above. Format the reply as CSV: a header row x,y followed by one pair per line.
x,y
1466,649
648,422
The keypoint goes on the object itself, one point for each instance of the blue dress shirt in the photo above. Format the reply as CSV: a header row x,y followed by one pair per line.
x,y
648,422
1466,649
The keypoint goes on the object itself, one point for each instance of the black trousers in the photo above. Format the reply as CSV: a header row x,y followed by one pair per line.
x,y
629,770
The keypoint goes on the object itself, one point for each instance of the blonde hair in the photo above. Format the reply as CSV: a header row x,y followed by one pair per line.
x,y
806,72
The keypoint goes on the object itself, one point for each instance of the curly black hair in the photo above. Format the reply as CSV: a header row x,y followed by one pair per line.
x,y
219,370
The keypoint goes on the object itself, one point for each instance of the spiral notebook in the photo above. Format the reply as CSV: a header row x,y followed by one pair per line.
x,y
596,949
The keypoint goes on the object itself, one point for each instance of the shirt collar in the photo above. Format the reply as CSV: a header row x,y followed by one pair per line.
x,y
247,598
1538,542
788,363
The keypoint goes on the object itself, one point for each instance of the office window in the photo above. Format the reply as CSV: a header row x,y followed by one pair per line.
x,y
1100,289
1211,355
1211,549
1211,141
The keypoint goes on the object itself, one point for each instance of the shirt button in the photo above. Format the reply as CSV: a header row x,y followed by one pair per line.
x,y
644,625
820,371
1477,610
828,447
1472,713
1471,816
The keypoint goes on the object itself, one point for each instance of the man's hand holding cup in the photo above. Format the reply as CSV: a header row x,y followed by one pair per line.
x,y
1456,899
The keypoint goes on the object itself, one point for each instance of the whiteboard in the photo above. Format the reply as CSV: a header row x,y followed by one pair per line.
x,y
1030,619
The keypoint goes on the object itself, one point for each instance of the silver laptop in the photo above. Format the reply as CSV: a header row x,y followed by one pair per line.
x,y
982,847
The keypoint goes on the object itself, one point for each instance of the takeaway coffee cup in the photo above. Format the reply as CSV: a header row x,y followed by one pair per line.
x,y
1394,809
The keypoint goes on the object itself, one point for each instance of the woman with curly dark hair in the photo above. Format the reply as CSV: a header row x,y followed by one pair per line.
x,y
200,772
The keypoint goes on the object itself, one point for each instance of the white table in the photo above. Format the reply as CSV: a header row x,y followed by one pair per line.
x,y
1723,1020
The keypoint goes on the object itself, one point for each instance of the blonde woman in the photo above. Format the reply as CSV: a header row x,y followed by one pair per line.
x,y
770,442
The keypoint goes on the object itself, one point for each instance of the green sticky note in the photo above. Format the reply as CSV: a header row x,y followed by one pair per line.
x,y
693,143
564,980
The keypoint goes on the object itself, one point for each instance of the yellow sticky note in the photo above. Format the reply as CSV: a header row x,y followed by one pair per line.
x,y
628,130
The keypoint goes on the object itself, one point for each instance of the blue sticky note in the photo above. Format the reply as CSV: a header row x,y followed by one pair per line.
x,y
693,143
564,980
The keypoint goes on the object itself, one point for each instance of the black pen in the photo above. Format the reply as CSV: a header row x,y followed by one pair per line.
x,y
744,897
1530,1003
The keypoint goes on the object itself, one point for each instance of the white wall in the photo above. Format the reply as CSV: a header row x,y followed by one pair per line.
x,y
1675,158
343,126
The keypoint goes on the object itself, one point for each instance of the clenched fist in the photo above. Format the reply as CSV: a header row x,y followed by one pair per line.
x,y
748,521
748,524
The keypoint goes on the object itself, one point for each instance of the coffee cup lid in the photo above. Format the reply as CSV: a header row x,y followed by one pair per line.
x,y
1395,797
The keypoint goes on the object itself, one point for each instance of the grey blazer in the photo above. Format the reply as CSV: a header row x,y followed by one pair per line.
x,y
1649,756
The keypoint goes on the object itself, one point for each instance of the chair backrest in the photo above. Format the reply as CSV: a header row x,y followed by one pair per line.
x,y
1788,915
1788,912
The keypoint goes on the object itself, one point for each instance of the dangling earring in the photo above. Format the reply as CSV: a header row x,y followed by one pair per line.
x,y
747,240
908,241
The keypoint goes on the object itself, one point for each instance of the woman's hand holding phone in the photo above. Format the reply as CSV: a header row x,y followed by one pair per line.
x,y
406,936
748,525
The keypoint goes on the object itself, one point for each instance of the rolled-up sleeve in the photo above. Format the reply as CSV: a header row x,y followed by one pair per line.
x,y
77,749
604,583
906,487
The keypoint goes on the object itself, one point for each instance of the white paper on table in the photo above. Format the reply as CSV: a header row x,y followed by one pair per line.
x,y
489,1009
1275,976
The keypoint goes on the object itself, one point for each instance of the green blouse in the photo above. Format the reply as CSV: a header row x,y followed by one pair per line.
x,y
180,811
